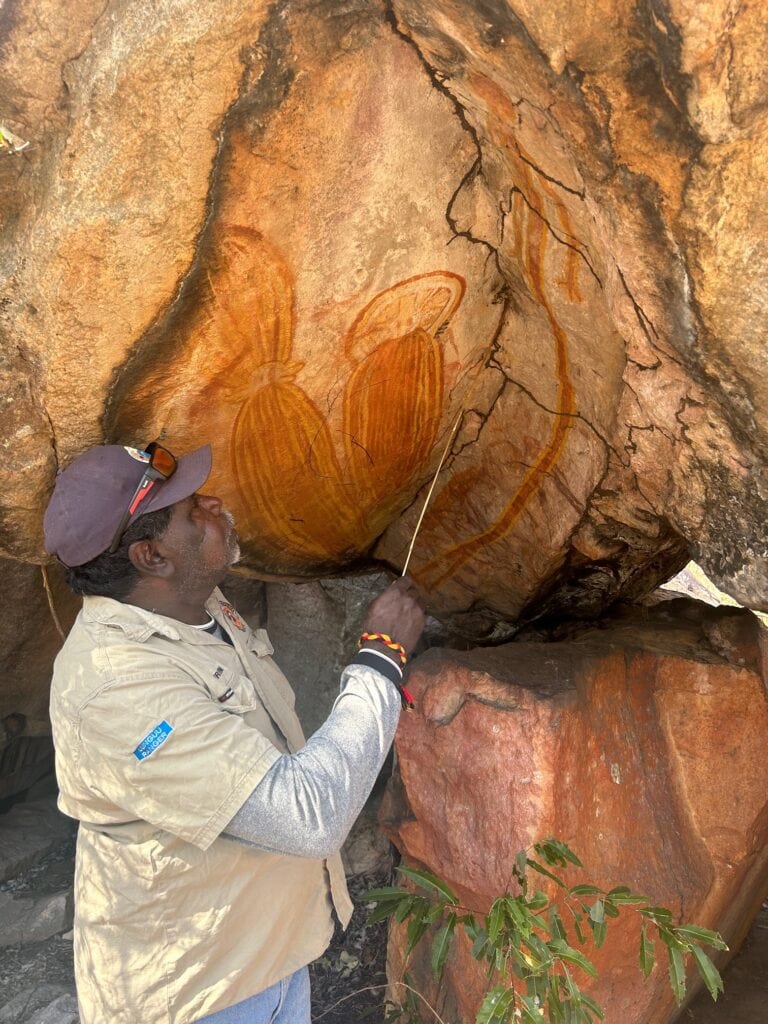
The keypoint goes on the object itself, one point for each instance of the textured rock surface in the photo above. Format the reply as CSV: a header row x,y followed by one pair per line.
x,y
29,639
639,745
28,832
314,232
43,1004
32,919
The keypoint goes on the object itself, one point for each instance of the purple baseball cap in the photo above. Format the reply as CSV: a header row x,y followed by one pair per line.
x,y
93,493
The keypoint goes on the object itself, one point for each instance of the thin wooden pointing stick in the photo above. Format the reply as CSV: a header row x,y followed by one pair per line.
x,y
443,457
451,437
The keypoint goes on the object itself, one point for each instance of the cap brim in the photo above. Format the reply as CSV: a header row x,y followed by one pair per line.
x,y
191,473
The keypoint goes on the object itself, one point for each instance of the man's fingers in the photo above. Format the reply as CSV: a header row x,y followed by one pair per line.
x,y
398,612
406,586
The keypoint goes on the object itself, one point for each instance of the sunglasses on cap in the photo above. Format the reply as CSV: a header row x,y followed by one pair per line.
x,y
162,465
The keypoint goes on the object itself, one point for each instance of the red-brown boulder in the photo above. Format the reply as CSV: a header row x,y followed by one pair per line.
x,y
642,745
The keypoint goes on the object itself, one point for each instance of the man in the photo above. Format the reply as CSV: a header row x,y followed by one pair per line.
x,y
207,859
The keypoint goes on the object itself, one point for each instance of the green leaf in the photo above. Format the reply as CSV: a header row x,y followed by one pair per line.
x,y
571,989
556,926
495,919
537,902
599,931
708,971
669,938
380,912
521,863
517,914
556,853
647,953
530,1012
592,1006
585,890
709,938
428,881
496,1006
435,912
416,928
610,909
479,943
580,935
390,892
548,853
566,852
597,912
565,952
543,871
554,1003
540,950
536,986
441,945
660,915
531,963
405,907
499,959
676,973
622,895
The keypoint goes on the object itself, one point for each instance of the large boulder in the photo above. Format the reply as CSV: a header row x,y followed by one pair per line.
x,y
319,236
29,636
640,744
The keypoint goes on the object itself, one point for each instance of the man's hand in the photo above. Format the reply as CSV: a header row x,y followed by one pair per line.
x,y
398,613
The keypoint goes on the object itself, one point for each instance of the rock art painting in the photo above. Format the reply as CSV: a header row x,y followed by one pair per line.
x,y
334,216
531,237
317,485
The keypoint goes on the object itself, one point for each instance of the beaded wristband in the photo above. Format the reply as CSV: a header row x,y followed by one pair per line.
x,y
387,640
385,665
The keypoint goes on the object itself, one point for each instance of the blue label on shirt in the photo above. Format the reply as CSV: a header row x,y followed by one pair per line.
x,y
153,740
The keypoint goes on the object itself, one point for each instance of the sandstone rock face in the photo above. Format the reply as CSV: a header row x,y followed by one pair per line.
x,y
29,639
640,745
319,235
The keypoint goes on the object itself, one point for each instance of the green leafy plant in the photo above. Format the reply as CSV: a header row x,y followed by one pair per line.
x,y
533,968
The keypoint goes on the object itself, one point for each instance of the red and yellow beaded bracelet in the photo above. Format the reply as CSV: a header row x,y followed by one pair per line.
x,y
387,640
384,638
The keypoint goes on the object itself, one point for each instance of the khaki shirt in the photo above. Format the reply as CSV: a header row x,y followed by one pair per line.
x,y
162,731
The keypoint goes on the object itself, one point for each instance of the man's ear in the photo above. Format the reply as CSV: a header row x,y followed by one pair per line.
x,y
147,558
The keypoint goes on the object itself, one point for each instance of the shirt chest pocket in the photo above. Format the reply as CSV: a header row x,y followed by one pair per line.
x,y
234,693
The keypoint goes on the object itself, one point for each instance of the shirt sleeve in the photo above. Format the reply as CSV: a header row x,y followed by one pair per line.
x,y
159,748
307,802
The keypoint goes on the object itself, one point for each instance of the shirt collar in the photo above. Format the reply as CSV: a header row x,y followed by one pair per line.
x,y
140,624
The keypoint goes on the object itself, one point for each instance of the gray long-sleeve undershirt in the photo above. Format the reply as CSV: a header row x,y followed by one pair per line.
x,y
307,802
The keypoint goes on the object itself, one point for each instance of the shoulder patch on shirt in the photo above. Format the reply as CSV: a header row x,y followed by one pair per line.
x,y
153,740
232,615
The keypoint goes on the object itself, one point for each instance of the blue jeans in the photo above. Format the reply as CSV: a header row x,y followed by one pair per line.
x,y
287,1002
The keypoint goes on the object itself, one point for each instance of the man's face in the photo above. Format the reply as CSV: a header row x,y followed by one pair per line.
x,y
200,541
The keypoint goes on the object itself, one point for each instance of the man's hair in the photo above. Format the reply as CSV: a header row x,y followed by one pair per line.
x,y
114,575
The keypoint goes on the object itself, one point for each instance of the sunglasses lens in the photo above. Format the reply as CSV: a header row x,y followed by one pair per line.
x,y
163,461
